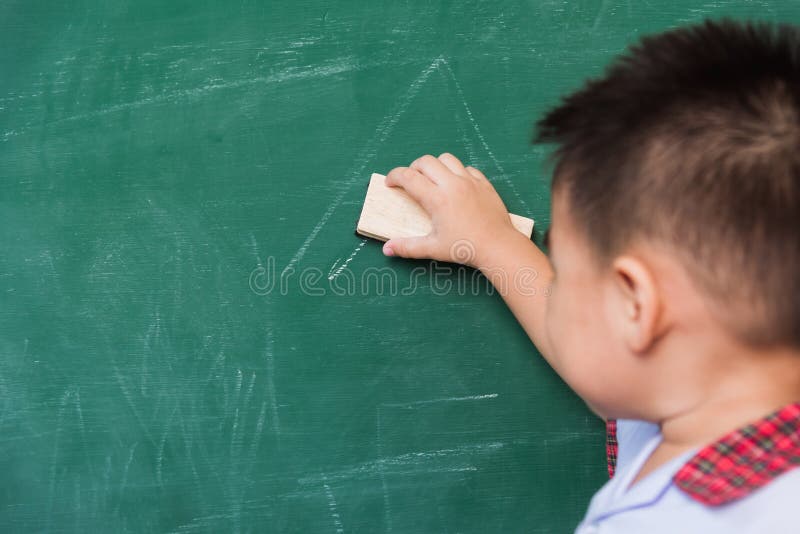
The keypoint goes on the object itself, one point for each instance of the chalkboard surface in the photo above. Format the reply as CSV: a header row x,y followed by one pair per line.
x,y
192,338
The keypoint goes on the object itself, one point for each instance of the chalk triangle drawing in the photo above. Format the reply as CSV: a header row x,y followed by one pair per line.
x,y
387,125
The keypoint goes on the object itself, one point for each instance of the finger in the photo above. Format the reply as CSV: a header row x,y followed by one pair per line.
x,y
432,168
408,247
476,173
453,163
419,187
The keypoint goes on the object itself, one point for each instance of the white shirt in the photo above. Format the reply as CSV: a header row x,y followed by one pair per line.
x,y
655,505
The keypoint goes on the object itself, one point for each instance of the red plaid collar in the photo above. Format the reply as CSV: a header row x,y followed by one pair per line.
x,y
739,463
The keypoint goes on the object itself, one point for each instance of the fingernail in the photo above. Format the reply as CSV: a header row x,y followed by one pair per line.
x,y
387,250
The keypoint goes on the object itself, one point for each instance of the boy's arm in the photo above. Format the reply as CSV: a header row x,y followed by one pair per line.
x,y
471,226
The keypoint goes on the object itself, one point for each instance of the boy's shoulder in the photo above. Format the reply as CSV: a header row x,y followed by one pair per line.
x,y
770,509
744,482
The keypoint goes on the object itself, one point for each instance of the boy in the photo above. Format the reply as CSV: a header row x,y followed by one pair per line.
x,y
670,301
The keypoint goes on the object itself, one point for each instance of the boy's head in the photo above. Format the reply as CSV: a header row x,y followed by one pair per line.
x,y
687,149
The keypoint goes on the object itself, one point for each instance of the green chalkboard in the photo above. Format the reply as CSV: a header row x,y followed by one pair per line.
x,y
192,338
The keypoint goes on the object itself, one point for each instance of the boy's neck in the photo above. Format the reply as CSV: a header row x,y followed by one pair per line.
x,y
746,388
749,386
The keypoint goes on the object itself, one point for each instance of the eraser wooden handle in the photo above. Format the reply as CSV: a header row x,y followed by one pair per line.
x,y
390,212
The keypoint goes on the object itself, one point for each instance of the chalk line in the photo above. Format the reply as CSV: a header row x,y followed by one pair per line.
x,y
381,134
233,433
337,521
292,73
599,16
436,401
238,389
254,246
77,401
161,445
412,463
333,267
249,393
387,509
481,138
127,468
262,416
129,399
273,403
348,260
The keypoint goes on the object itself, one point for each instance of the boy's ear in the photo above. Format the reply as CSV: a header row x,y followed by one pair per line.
x,y
638,303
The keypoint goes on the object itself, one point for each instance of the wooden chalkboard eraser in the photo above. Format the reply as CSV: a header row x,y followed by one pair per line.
x,y
390,212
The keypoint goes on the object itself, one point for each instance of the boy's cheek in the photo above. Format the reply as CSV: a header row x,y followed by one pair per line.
x,y
564,331
577,339
565,322
591,359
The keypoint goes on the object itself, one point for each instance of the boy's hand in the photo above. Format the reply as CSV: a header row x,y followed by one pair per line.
x,y
466,212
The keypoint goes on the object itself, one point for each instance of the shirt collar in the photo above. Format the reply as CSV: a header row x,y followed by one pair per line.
x,y
744,460
740,462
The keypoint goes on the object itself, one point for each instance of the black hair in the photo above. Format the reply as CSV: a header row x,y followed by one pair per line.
x,y
692,139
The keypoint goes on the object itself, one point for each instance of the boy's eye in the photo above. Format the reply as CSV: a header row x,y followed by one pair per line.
x,y
546,239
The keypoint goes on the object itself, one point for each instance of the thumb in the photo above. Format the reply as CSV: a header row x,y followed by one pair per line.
x,y
408,247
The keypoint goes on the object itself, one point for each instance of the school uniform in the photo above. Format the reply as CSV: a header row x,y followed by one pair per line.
x,y
743,483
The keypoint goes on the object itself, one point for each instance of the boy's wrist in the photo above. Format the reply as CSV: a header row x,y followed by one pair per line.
x,y
499,251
